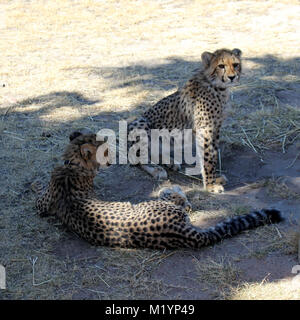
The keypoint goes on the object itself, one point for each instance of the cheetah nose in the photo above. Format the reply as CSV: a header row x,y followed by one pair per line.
x,y
231,78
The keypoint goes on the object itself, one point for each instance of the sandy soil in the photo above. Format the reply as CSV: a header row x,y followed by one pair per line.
x,y
71,64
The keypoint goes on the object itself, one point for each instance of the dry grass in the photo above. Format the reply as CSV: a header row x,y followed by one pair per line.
x,y
279,188
276,188
219,275
281,290
223,277
264,129
262,241
71,64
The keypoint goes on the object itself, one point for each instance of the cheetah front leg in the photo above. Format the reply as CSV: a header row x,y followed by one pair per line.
x,y
208,142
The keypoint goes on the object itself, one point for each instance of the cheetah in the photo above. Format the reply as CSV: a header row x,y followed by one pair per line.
x,y
199,106
157,224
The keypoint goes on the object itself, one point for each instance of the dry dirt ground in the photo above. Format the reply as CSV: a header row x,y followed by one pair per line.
x,y
71,64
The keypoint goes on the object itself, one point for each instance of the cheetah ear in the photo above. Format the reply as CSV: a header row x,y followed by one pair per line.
x,y
74,135
86,151
206,58
237,52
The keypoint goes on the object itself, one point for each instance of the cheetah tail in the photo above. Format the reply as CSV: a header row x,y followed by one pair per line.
x,y
233,226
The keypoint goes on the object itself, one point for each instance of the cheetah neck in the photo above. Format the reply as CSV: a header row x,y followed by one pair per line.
x,y
200,81
74,178
205,81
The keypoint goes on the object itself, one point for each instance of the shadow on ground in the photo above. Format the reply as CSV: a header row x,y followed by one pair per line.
x,y
125,183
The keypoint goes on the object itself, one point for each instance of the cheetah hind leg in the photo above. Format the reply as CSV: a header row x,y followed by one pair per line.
x,y
175,195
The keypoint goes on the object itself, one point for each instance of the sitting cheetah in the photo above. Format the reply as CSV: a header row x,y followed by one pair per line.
x,y
156,224
198,106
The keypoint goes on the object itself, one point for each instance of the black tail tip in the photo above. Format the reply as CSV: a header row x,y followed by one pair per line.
x,y
274,215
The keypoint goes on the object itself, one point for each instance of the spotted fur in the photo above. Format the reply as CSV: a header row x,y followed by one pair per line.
x,y
157,224
199,106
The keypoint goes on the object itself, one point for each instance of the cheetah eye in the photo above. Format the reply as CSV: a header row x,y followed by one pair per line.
x,y
221,66
235,65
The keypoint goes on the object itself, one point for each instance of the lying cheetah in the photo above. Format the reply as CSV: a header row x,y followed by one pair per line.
x,y
158,224
198,106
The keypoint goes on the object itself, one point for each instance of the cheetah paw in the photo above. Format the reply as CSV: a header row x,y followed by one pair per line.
x,y
215,188
177,196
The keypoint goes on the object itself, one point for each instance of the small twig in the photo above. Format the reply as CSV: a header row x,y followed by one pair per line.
x,y
33,261
251,251
294,124
13,135
257,133
248,140
104,281
276,102
296,137
289,166
152,257
7,110
99,268
279,234
139,273
264,279
283,142
287,133
220,161
192,177
96,291
264,123
162,257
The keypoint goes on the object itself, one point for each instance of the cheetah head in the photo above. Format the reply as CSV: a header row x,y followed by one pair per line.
x,y
82,150
223,67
